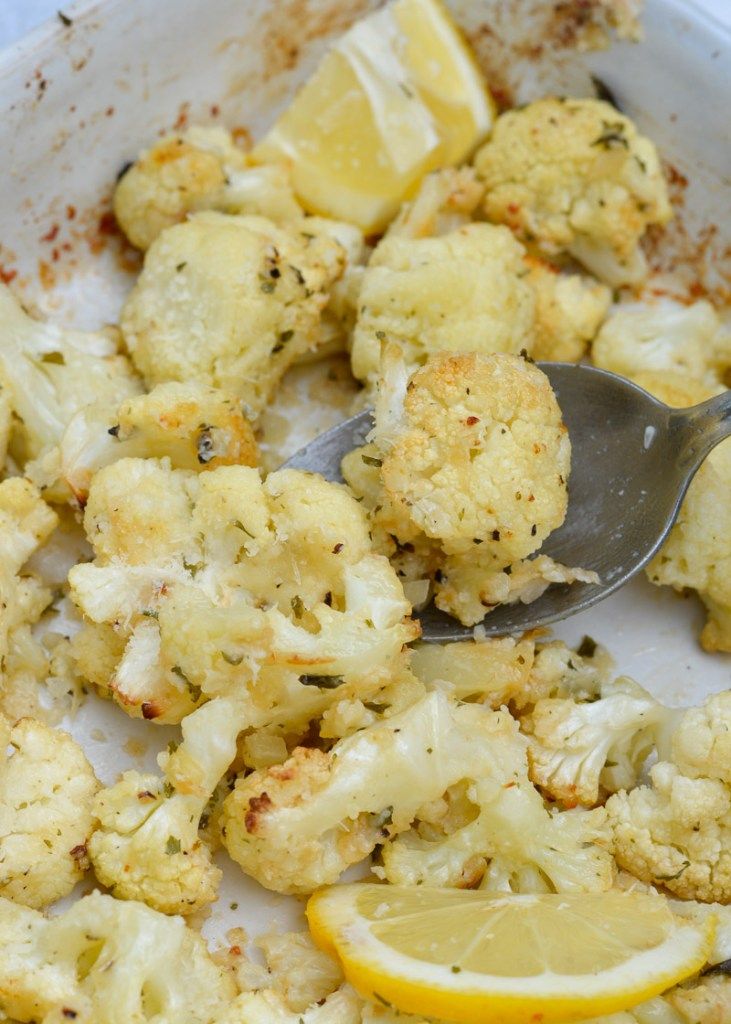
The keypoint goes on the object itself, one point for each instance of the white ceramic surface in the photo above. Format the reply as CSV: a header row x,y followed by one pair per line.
x,y
77,102
18,17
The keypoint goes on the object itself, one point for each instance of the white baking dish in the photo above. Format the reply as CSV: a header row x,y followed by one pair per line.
x,y
77,101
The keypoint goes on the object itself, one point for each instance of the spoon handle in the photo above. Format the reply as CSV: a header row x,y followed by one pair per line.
x,y
703,427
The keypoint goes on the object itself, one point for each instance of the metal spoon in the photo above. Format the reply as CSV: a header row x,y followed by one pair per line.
x,y
632,461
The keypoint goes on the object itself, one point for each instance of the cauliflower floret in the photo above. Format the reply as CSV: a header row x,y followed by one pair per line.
x,y
301,824
104,961
445,201
229,302
298,969
25,523
494,672
468,586
468,475
213,578
510,842
574,175
47,788
579,750
48,373
675,833
664,336
561,671
481,457
269,1007
701,742
200,169
195,426
299,984
146,846
697,552
705,1001
569,311
461,292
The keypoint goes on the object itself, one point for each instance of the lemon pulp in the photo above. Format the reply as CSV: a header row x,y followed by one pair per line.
x,y
398,96
482,957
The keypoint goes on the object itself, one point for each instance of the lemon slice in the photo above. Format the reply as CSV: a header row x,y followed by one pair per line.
x,y
483,957
397,96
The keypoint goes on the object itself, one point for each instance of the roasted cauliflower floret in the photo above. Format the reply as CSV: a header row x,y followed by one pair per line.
x,y
146,845
701,741
269,1007
469,586
664,337
200,169
445,201
211,579
575,176
229,302
676,833
104,961
581,750
704,1001
697,552
462,292
562,671
509,840
481,457
301,824
25,523
466,475
48,373
569,310
195,426
47,788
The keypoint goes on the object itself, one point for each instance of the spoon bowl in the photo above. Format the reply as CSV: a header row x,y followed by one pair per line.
x,y
632,461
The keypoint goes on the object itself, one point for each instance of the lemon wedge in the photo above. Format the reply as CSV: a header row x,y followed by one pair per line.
x,y
486,957
397,96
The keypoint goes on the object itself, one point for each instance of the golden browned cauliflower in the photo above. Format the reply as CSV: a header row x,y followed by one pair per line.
x,y
25,523
575,176
569,311
300,824
463,291
495,832
207,582
676,831
466,476
480,457
199,169
445,201
229,302
47,789
195,426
